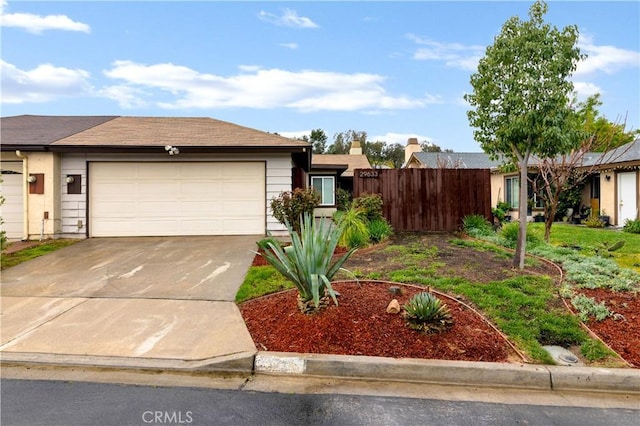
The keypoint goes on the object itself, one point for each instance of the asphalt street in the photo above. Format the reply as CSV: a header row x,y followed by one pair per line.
x,y
39,402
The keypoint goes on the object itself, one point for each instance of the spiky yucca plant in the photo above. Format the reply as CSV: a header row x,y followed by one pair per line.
x,y
425,312
307,261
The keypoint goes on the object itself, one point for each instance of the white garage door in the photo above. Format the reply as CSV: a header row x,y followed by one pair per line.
x,y
164,199
11,189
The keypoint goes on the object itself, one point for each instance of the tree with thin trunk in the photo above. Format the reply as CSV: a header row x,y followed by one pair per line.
x,y
521,98
564,172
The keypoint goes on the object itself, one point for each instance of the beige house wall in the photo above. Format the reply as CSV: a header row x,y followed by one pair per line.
x,y
608,195
44,209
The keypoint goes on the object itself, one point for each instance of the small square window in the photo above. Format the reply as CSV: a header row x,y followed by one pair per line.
x,y
325,185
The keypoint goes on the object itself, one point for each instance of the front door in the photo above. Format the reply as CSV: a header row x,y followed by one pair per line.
x,y
627,197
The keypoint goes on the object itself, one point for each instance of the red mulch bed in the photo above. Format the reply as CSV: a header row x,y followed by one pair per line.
x,y
361,326
623,335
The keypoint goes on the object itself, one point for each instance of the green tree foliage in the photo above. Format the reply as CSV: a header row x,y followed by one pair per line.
x,y
431,147
606,135
319,140
521,97
342,141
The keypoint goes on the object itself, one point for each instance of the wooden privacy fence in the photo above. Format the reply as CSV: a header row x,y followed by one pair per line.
x,y
427,199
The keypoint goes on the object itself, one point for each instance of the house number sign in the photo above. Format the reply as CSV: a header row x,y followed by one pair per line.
x,y
369,173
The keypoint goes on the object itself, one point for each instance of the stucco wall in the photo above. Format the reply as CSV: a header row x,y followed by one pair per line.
x,y
46,204
74,206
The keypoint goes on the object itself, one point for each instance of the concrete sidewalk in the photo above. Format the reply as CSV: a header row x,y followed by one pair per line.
x,y
167,305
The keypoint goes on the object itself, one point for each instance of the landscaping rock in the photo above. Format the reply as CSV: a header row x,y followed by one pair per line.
x,y
394,307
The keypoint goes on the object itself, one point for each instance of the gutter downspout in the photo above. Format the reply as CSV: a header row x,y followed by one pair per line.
x,y
25,195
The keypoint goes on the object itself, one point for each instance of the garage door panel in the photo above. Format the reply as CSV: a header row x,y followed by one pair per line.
x,y
229,207
11,211
197,189
234,226
201,208
155,199
113,209
195,171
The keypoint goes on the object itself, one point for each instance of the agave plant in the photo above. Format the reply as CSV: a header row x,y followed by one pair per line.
x,y
425,312
307,261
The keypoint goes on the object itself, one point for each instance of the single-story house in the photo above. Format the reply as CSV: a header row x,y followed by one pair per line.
x,y
110,176
614,189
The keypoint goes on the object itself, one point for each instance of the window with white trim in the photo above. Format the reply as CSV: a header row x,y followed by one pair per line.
x,y
326,187
512,191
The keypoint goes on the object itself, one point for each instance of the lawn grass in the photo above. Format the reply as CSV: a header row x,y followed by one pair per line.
x,y
261,280
524,309
13,259
590,239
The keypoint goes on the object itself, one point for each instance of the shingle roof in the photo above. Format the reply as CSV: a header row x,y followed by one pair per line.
x,y
351,161
465,160
44,130
623,154
136,132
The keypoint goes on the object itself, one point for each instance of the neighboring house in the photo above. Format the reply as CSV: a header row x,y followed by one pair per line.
x,y
614,189
142,176
331,171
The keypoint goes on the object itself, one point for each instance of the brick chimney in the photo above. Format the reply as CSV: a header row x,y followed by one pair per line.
x,y
412,146
355,149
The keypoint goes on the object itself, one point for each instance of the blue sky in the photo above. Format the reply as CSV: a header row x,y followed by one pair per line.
x,y
393,69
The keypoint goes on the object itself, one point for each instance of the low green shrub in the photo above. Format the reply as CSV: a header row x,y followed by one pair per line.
x,y
354,224
510,232
343,199
501,210
426,313
632,226
587,307
593,222
371,204
379,230
290,206
476,225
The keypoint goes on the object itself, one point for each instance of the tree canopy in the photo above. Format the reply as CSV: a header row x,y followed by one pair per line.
x,y
521,97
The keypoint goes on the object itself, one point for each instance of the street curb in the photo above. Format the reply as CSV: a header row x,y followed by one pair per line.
x,y
241,362
539,377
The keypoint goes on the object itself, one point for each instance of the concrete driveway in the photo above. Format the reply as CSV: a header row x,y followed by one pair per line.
x,y
132,301
197,268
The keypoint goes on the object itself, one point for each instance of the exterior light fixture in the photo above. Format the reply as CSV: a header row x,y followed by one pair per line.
x,y
171,150
70,179
32,179
607,178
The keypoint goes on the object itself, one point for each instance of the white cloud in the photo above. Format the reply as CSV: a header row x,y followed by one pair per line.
x,y
126,96
36,24
289,18
296,134
41,84
401,138
454,55
305,90
584,89
607,59
292,46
